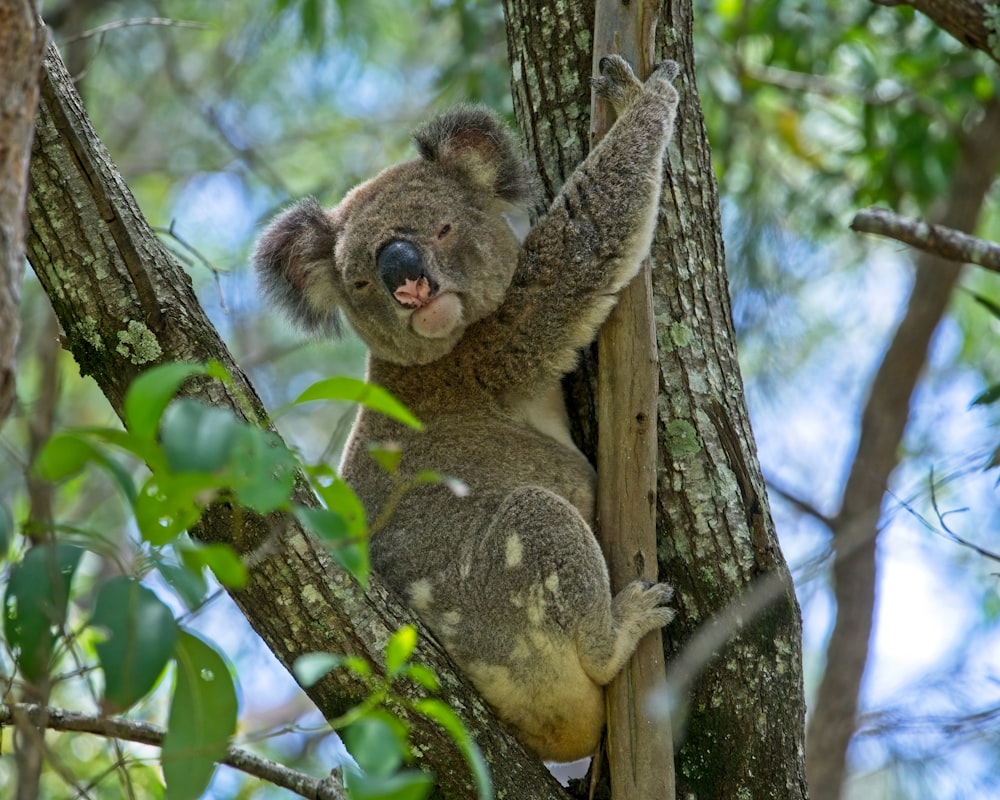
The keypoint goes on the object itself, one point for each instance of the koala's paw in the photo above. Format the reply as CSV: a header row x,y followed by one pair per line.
x,y
617,83
661,79
643,606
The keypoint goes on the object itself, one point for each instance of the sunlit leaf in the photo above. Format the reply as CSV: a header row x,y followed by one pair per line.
x,y
311,667
423,675
141,633
224,562
340,498
387,455
400,648
63,456
150,393
330,528
436,710
35,603
367,394
202,718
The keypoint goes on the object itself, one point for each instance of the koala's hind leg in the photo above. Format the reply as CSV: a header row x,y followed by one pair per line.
x,y
608,637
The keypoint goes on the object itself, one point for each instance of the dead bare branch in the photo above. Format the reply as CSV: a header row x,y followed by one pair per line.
x,y
938,240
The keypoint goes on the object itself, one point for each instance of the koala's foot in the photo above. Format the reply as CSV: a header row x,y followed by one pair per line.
x,y
635,611
617,84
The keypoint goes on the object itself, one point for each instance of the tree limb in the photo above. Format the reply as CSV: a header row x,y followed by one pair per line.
x,y
938,240
969,21
125,305
58,719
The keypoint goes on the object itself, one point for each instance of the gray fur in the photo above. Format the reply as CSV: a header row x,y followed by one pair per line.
x,y
509,577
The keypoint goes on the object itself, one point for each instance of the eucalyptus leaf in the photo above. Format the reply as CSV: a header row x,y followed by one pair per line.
x,y
35,602
202,718
150,393
141,633
367,394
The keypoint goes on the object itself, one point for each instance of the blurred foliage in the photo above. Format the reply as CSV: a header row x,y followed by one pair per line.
x,y
814,110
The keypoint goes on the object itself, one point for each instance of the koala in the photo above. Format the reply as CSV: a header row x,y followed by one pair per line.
x,y
473,330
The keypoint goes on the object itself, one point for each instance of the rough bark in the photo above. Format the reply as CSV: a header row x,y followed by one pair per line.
x,y
966,20
716,542
937,240
22,45
126,305
883,422
639,741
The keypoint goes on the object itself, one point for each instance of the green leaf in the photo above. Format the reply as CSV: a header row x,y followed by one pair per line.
x,y
6,531
439,712
377,742
311,667
399,649
988,397
367,394
202,718
167,505
388,455
63,456
189,586
66,454
220,558
196,437
331,529
262,470
141,637
340,498
35,603
150,393
423,675
405,785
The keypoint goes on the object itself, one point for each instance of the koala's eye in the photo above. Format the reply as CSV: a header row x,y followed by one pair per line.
x,y
361,285
445,230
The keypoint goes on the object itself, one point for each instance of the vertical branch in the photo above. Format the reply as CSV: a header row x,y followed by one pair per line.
x,y
640,747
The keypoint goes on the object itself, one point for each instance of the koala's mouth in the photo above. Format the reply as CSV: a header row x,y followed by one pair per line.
x,y
433,315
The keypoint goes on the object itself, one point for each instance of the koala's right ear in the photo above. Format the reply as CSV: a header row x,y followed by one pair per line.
x,y
294,250
472,142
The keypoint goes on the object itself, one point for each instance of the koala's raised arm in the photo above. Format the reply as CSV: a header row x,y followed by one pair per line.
x,y
593,238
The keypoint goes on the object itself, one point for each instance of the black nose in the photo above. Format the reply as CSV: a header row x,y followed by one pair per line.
x,y
398,262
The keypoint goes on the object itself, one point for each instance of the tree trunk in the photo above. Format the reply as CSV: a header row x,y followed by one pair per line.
x,y
126,305
22,45
883,422
744,729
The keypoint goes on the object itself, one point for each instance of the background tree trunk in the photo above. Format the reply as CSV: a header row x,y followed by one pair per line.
x,y
743,733
22,45
883,423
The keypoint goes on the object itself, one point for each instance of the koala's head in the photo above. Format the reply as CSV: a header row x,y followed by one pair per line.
x,y
413,256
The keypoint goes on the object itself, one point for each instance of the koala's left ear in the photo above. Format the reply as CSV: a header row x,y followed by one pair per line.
x,y
474,142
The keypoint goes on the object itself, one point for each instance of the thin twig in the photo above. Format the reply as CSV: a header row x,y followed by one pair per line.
x,y
100,30
937,240
146,733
